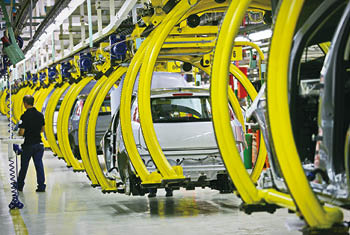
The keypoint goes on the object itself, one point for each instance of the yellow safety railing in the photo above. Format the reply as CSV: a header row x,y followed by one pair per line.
x,y
280,124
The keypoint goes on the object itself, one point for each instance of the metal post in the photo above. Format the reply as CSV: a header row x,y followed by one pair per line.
x,y
61,41
31,19
99,17
71,43
111,10
53,46
88,2
82,22
24,69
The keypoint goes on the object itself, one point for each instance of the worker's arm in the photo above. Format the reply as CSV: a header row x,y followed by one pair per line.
x,y
21,132
42,129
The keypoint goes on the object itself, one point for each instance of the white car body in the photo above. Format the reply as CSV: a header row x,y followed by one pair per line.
x,y
186,136
190,144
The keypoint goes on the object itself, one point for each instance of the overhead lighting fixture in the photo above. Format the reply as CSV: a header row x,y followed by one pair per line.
x,y
260,35
75,4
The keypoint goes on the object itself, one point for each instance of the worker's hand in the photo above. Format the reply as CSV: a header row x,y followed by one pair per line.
x,y
17,149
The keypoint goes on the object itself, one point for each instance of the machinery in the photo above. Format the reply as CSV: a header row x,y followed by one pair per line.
x,y
282,66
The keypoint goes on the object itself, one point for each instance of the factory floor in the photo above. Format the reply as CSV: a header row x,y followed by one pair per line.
x,y
71,206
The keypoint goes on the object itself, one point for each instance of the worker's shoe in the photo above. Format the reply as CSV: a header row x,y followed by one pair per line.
x,y
41,188
19,188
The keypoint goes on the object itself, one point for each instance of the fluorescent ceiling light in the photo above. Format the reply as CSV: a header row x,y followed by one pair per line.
x,y
74,4
260,35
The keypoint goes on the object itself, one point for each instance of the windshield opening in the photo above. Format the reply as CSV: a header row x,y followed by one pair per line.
x,y
181,109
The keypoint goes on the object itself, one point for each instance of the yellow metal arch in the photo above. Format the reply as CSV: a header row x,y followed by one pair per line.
x,y
49,114
61,114
144,92
3,102
125,118
62,129
17,103
259,164
106,184
219,97
82,130
280,124
39,106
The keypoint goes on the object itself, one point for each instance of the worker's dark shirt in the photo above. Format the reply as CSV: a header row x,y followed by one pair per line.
x,y
32,122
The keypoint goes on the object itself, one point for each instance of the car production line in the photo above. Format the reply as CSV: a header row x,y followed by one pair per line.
x,y
70,200
298,193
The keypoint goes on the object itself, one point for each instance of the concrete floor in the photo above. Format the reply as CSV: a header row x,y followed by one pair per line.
x,y
71,206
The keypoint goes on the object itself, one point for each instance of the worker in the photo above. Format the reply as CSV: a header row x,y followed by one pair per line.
x,y
30,126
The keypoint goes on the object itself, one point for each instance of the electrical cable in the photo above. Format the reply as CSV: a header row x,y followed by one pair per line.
x,y
15,203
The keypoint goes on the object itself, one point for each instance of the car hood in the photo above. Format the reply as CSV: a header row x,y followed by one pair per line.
x,y
183,136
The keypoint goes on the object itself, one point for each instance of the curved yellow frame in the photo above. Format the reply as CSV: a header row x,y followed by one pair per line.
x,y
257,48
125,118
39,106
144,92
3,102
280,124
106,184
259,164
17,102
62,112
82,130
41,100
219,97
49,114
63,138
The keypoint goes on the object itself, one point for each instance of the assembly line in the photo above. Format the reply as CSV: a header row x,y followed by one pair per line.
x,y
128,110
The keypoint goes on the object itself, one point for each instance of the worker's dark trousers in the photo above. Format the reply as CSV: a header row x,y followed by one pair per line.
x,y
36,151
